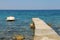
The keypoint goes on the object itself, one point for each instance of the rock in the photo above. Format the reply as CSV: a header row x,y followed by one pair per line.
x,y
32,26
49,24
10,18
18,37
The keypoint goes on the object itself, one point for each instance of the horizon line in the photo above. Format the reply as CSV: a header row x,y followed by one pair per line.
x,y
29,9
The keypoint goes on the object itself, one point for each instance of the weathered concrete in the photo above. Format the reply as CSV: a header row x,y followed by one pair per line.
x,y
43,31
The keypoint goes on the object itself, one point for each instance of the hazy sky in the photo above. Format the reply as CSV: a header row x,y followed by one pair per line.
x,y
29,4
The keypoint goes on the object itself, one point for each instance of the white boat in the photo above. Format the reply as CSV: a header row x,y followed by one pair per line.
x,y
10,18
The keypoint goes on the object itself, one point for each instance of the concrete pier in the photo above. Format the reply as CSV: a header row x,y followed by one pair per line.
x,y
43,31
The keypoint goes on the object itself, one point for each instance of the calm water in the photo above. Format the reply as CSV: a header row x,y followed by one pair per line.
x,y
23,20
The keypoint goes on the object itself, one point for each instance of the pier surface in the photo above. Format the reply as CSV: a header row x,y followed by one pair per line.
x,y
44,31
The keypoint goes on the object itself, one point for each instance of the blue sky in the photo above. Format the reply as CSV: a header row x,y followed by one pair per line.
x,y
29,4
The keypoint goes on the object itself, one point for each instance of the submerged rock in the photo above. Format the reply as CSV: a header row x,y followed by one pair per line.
x,y
18,37
49,24
2,38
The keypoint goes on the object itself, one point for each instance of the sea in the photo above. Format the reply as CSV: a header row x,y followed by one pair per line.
x,y
23,19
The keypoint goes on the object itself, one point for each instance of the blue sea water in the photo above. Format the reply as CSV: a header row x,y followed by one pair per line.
x,y
23,19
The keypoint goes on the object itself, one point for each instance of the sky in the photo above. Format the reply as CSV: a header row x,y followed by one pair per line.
x,y
29,4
